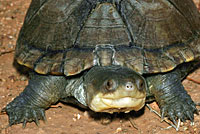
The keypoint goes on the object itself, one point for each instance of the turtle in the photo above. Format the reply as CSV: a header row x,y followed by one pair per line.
x,y
108,56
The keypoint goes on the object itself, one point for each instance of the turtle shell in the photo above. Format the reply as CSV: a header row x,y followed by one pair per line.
x,y
69,36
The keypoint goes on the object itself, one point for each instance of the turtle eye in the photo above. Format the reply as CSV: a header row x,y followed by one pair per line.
x,y
110,84
140,84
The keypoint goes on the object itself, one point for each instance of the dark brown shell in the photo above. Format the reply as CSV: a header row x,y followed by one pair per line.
x,y
69,36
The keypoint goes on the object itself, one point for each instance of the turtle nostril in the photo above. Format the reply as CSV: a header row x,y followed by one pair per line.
x,y
129,86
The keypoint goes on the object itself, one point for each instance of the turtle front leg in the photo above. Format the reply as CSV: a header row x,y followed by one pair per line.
x,y
39,94
173,100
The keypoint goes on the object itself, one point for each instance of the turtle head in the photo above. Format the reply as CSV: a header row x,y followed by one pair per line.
x,y
114,89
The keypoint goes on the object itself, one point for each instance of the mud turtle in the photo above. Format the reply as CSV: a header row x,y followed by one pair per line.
x,y
108,55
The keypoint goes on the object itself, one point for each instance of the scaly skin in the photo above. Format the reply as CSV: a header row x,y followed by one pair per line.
x,y
30,105
44,90
173,100
115,83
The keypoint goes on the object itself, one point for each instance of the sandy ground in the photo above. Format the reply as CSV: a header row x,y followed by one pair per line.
x,y
65,119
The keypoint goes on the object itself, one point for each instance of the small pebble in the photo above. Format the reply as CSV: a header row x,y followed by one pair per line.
x,y
86,114
3,80
185,128
77,116
192,124
195,129
106,120
73,119
9,94
23,78
181,124
119,129
10,37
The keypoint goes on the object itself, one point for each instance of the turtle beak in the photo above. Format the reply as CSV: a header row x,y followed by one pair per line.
x,y
114,89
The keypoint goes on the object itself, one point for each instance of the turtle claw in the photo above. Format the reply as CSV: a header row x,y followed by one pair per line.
x,y
190,116
196,111
162,114
179,108
176,113
36,118
183,119
3,110
172,118
192,123
43,116
24,123
178,125
37,122
24,114
174,121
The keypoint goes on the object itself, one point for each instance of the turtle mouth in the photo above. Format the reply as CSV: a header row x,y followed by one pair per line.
x,y
124,104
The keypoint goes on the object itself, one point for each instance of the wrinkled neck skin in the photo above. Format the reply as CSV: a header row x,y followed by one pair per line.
x,y
80,92
75,89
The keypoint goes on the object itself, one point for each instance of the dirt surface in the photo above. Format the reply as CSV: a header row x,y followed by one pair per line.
x,y
65,119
